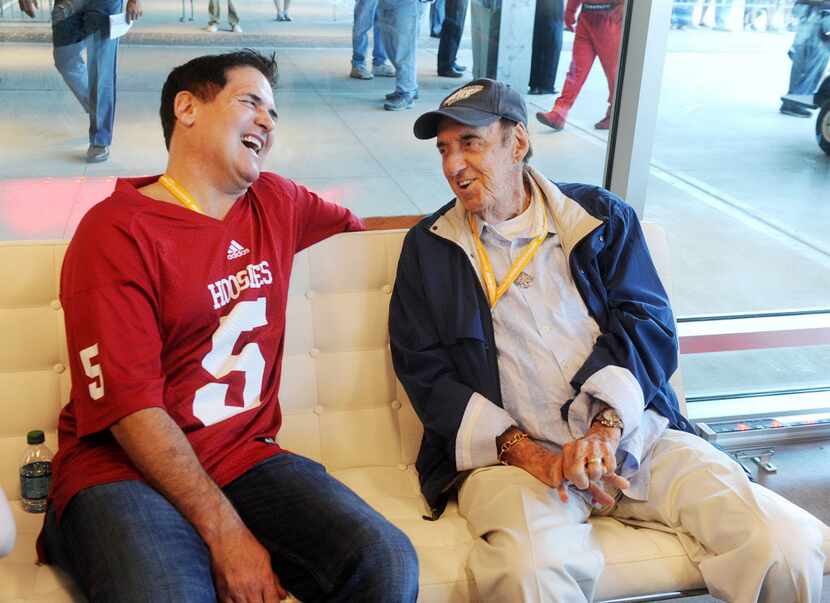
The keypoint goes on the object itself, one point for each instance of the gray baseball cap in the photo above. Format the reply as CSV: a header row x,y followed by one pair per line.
x,y
479,103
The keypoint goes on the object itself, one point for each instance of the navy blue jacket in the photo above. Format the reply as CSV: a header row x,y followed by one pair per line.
x,y
441,330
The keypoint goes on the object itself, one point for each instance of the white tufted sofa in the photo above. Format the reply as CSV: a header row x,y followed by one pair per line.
x,y
342,405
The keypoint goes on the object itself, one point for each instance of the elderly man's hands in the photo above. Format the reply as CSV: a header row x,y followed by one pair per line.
x,y
28,6
550,468
592,459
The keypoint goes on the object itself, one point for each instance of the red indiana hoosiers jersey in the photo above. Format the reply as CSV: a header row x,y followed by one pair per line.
x,y
169,308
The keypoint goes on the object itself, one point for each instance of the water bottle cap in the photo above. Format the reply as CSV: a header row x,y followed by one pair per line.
x,y
35,437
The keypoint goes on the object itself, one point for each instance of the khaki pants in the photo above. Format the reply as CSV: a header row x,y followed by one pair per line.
x,y
215,13
750,544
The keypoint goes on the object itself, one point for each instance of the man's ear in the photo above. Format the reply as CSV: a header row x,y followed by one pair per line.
x,y
521,139
185,107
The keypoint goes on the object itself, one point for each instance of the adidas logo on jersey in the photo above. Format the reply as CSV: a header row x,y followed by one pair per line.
x,y
235,250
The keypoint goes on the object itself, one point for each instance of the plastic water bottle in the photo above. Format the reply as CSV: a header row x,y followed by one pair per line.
x,y
35,473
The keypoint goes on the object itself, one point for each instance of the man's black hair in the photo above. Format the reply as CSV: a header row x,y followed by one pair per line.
x,y
205,77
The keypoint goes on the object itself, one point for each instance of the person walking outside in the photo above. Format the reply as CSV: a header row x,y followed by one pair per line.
x,y
282,10
84,24
809,53
366,18
214,10
598,32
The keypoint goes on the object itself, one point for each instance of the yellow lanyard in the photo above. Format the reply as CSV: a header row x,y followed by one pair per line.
x,y
181,195
495,291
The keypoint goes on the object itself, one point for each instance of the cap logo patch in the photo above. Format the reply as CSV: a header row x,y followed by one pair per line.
x,y
460,95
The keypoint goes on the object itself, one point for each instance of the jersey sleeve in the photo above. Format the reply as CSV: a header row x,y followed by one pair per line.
x,y
318,219
113,339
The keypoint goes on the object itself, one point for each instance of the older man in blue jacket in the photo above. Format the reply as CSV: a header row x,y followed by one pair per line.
x,y
534,338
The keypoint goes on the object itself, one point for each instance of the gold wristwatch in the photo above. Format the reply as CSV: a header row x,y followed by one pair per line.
x,y
609,418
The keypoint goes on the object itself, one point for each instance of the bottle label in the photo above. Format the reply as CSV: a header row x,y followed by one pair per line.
x,y
34,480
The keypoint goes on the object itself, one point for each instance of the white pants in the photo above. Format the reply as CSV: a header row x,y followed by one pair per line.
x,y
749,544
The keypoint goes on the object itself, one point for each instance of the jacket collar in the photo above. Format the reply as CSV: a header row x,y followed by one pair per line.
x,y
570,220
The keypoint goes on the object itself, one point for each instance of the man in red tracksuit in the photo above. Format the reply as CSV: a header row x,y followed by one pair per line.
x,y
597,34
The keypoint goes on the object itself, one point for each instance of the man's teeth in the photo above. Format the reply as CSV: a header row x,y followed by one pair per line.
x,y
464,183
253,143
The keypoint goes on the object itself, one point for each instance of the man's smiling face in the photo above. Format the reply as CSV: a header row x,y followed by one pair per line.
x,y
477,163
237,125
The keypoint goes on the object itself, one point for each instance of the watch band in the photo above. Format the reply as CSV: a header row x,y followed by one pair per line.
x,y
609,418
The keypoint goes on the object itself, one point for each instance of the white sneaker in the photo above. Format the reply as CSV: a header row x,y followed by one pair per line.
x,y
359,72
236,29
385,70
212,28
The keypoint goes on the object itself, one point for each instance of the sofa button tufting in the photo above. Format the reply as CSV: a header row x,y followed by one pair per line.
x,y
318,410
387,289
55,304
396,404
314,352
59,368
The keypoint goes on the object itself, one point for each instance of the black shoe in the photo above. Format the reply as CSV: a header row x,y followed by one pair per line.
x,y
458,67
97,153
392,95
795,110
451,72
538,90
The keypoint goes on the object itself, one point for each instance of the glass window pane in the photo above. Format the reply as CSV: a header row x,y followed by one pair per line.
x,y
740,185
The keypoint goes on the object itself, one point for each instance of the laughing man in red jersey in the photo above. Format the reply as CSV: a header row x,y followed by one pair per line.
x,y
168,484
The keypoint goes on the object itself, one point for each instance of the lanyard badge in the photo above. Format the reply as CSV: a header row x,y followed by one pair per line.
x,y
493,289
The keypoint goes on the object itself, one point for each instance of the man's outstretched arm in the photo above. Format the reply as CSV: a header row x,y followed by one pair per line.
x,y
160,451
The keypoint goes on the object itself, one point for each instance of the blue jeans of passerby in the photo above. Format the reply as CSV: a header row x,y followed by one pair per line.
x,y
548,25
809,52
436,18
79,25
399,21
366,18
125,543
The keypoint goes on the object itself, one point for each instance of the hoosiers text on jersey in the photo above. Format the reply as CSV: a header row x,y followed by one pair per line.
x,y
230,287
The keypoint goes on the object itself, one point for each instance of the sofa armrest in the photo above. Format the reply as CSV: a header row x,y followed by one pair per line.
x,y
7,527
391,222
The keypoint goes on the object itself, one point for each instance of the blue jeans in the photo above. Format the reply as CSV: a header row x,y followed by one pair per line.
x,y
399,21
436,17
365,18
79,24
809,52
125,543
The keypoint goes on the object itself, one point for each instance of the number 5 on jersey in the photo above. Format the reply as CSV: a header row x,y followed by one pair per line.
x,y
209,404
93,371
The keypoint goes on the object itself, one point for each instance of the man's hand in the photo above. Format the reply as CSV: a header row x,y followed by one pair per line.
x,y
242,569
28,6
160,451
592,459
132,11
549,468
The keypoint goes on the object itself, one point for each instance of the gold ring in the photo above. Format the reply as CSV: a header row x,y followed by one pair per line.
x,y
596,459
